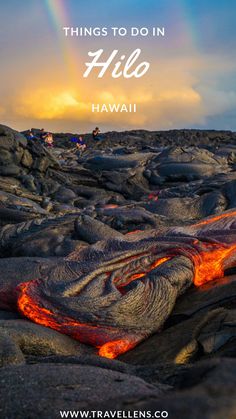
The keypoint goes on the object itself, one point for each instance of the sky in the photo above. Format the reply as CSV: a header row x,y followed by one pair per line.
x,y
191,82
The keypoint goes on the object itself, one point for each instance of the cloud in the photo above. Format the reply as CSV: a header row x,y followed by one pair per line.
x,y
2,111
176,105
217,101
174,108
179,92
156,109
42,104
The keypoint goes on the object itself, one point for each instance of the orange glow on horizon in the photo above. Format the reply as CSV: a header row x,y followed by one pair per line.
x,y
166,103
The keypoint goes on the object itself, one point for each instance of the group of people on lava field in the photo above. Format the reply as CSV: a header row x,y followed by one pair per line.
x,y
46,138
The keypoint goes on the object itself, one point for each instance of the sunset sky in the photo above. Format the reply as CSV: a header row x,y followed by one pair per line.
x,y
191,82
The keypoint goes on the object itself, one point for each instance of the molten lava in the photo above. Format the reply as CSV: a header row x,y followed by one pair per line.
x,y
211,263
110,206
113,349
139,275
131,261
29,307
216,218
85,333
133,232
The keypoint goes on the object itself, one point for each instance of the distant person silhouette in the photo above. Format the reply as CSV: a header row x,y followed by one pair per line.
x,y
42,134
97,134
30,135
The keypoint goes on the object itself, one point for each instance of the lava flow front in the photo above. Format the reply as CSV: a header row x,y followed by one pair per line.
x,y
115,303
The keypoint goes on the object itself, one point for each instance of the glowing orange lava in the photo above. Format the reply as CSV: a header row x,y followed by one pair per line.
x,y
133,232
159,262
210,260
110,206
113,349
210,264
216,218
138,275
86,333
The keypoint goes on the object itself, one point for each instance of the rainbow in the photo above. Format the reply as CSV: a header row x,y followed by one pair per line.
x,y
59,17
189,27
58,12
